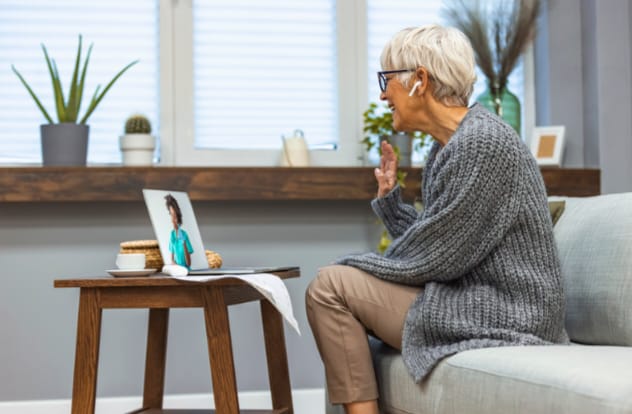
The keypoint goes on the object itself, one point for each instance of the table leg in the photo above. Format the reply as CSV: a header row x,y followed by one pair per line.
x,y
155,358
276,355
84,387
220,351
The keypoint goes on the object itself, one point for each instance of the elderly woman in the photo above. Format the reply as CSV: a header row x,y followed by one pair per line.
x,y
477,268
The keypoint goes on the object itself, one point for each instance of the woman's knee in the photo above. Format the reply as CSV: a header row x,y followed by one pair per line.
x,y
326,284
323,282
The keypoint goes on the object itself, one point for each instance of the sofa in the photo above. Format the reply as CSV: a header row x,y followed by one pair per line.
x,y
593,375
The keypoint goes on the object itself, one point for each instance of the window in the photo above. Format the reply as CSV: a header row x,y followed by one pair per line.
x,y
221,81
261,69
27,23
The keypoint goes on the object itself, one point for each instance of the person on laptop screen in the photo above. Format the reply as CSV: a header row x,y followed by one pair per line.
x,y
179,244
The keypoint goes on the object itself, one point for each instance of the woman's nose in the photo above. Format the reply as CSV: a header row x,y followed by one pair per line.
x,y
382,96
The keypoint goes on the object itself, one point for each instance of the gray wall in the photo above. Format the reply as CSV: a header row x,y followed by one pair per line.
x,y
42,242
584,81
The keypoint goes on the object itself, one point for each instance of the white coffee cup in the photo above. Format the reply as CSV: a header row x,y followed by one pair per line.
x,y
130,261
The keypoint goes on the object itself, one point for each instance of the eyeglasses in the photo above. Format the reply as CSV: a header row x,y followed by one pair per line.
x,y
383,80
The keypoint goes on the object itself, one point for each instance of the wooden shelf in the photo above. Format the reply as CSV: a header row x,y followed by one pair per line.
x,y
103,184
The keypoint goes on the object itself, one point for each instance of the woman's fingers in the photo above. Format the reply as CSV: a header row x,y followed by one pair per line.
x,y
379,176
388,159
386,174
385,181
384,148
387,149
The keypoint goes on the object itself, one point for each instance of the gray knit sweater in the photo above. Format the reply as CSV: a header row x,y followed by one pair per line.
x,y
482,248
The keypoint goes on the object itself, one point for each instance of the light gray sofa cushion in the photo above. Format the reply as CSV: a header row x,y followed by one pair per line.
x,y
594,238
536,379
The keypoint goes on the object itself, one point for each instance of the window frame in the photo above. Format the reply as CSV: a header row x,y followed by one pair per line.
x,y
31,24
180,149
177,113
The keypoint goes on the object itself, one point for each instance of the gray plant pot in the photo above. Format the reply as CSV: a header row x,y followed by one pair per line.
x,y
405,144
64,144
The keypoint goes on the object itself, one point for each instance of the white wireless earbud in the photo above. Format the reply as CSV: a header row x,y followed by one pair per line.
x,y
415,86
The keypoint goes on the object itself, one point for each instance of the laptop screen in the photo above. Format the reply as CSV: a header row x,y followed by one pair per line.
x,y
176,228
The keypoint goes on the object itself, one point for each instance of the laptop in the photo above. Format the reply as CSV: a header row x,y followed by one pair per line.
x,y
179,238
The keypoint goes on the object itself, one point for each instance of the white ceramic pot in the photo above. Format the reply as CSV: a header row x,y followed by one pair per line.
x,y
137,149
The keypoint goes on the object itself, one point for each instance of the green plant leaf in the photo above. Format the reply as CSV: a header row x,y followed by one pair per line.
x,y
72,109
83,77
368,142
62,112
376,124
68,110
401,177
94,96
57,91
385,241
37,101
96,100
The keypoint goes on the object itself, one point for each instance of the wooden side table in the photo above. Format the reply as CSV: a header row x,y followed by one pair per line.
x,y
159,294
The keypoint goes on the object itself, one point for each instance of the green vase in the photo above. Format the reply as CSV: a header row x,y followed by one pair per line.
x,y
507,106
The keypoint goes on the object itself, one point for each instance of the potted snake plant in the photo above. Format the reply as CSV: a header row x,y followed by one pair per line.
x,y
65,140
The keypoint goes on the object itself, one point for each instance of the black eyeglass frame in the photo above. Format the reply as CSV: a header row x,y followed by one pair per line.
x,y
382,80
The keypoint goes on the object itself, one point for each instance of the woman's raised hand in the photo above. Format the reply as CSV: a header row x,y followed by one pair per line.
x,y
386,174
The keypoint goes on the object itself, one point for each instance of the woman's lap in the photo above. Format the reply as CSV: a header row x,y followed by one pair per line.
x,y
343,305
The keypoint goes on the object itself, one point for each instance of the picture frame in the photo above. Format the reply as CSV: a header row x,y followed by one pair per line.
x,y
547,145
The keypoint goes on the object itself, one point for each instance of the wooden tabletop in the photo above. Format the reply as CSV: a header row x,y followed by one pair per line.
x,y
154,280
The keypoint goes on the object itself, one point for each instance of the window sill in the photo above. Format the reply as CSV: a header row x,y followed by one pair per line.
x,y
77,184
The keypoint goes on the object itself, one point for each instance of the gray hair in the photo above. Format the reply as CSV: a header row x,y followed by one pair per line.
x,y
446,54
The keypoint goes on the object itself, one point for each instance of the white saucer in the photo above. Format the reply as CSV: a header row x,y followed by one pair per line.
x,y
131,272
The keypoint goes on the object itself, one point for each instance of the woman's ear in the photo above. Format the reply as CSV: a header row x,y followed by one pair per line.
x,y
421,75
420,79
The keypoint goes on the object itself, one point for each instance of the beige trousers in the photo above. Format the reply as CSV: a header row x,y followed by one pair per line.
x,y
343,305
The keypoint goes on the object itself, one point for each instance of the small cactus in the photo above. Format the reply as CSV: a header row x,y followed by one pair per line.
x,y
137,124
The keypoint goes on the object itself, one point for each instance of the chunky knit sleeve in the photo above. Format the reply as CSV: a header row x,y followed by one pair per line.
x,y
474,198
396,215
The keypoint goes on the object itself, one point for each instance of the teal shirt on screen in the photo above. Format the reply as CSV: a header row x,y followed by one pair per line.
x,y
176,246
